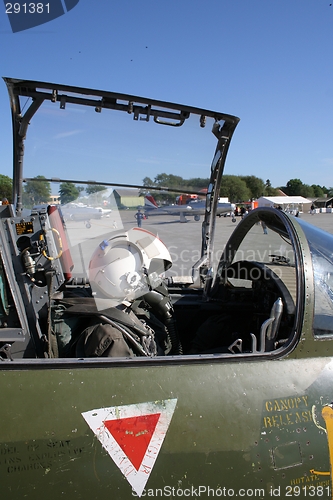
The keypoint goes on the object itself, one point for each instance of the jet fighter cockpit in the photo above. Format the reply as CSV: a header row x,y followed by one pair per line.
x,y
101,156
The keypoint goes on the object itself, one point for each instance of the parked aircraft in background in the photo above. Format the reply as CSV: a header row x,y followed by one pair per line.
x,y
195,208
81,212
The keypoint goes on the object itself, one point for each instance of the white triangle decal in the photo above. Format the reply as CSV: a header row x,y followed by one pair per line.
x,y
133,435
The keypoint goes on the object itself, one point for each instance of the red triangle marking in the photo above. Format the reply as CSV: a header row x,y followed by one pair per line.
x,y
133,434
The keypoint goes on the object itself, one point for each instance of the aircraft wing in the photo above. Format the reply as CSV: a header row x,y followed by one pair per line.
x,y
76,212
195,209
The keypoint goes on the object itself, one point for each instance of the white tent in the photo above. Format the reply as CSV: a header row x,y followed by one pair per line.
x,y
288,203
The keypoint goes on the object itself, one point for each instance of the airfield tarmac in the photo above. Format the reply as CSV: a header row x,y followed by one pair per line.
x,y
171,231
182,239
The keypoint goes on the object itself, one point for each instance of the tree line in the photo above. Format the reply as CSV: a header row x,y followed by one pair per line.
x,y
237,188
234,187
37,192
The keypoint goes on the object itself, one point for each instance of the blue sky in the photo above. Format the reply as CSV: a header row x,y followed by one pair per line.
x,y
270,62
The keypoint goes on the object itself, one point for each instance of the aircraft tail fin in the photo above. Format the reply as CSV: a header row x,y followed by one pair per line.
x,y
150,202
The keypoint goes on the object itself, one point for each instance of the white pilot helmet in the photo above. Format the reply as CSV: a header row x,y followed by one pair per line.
x,y
128,265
